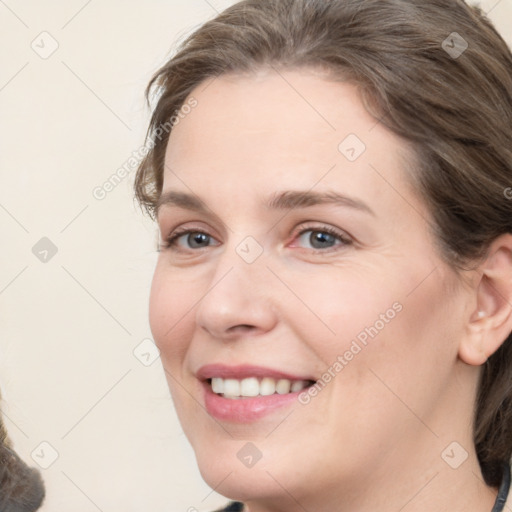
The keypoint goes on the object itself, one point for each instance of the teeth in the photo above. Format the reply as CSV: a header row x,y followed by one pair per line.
x,y
231,387
296,386
251,386
283,386
267,386
218,385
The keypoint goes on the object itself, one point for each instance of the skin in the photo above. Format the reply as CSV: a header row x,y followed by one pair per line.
x,y
373,438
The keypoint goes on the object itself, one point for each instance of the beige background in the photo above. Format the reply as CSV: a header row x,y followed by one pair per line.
x,y
69,326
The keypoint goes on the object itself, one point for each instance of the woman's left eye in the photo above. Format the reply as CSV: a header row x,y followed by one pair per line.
x,y
323,238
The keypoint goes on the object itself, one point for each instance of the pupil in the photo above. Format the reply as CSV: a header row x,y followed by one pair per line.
x,y
321,238
198,238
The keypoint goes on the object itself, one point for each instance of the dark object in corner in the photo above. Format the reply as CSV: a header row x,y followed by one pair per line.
x,y
21,487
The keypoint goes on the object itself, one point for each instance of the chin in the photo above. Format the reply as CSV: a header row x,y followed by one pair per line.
x,y
241,484
222,469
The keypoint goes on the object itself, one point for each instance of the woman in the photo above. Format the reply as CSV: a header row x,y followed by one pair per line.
x,y
333,295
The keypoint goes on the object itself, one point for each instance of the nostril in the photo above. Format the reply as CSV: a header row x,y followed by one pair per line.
x,y
241,327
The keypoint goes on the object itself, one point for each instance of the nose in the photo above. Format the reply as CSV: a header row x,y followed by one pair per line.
x,y
238,301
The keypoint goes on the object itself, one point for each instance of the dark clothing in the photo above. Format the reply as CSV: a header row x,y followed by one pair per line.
x,y
234,506
499,505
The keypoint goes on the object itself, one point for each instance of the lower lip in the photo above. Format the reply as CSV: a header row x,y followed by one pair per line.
x,y
246,409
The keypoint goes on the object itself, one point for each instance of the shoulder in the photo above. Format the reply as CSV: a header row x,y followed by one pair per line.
x,y
234,506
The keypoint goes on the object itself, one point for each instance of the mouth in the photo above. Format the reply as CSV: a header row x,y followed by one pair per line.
x,y
235,389
246,393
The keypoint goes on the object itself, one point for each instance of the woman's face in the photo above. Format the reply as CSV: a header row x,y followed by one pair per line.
x,y
340,285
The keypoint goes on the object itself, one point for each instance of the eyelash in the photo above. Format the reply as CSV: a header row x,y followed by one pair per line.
x,y
170,241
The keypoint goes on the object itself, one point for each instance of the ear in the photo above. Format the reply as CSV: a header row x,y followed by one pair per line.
x,y
490,321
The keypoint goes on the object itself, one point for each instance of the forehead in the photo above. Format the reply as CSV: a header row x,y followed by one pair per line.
x,y
279,110
274,129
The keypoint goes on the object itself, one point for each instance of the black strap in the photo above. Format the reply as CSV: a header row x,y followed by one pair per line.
x,y
501,499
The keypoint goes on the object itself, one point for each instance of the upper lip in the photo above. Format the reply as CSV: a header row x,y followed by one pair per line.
x,y
243,371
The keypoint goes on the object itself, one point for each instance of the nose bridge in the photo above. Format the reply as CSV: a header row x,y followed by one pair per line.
x,y
237,293
242,263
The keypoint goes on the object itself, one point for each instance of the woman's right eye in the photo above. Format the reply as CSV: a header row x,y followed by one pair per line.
x,y
191,238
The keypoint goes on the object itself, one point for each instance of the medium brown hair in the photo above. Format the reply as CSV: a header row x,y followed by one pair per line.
x,y
435,72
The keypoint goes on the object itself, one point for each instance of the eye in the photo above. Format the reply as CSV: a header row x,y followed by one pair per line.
x,y
323,237
190,238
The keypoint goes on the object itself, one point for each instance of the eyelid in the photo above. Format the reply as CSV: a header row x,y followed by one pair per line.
x,y
320,226
181,227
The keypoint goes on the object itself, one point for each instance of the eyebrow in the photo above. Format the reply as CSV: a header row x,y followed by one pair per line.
x,y
287,199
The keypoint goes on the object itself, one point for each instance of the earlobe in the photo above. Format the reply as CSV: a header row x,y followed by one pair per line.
x,y
472,349
490,322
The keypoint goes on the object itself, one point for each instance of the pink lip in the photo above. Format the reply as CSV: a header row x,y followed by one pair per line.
x,y
248,409
243,371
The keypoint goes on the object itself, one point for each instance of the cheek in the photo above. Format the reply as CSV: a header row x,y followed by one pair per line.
x,y
169,309
337,306
373,321
410,360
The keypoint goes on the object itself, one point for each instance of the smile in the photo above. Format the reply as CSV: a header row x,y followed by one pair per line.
x,y
253,386
247,393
